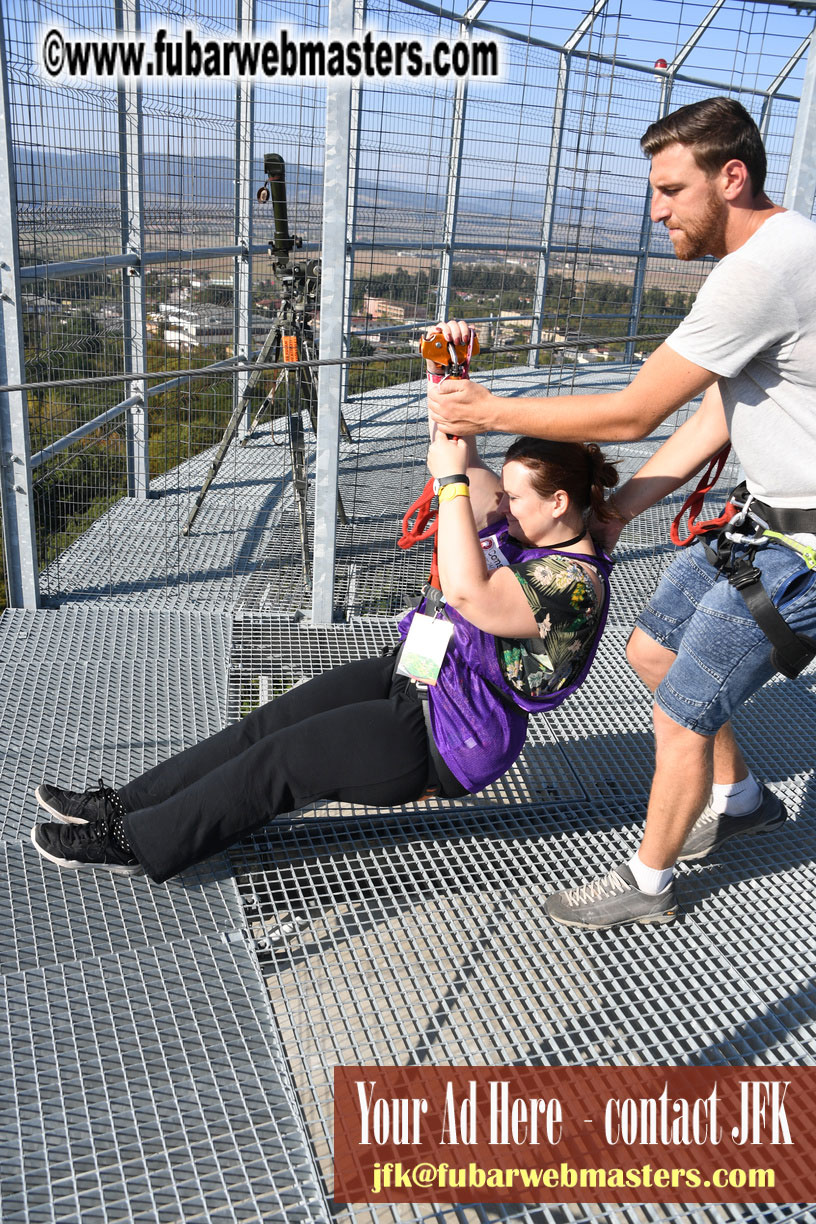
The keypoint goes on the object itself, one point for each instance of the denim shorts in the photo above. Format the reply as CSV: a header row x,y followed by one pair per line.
x,y
722,654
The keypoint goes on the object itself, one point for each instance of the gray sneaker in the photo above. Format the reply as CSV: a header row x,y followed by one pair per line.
x,y
610,900
712,829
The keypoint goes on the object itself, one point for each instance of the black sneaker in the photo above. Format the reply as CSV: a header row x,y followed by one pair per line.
x,y
76,807
84,845
712,829
611,900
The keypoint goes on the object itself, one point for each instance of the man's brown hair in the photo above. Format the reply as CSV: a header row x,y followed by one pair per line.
x,y
716,130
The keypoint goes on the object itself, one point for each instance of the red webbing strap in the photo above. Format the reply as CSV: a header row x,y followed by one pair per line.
x,y
425,524
423,527
694,503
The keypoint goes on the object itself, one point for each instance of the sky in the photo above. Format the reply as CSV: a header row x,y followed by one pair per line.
x,y
745,47
750,40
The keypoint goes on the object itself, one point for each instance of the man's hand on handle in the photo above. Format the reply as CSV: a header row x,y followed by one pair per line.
x,y
460,407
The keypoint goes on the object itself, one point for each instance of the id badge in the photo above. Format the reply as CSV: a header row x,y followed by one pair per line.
x,y
425,647
493,555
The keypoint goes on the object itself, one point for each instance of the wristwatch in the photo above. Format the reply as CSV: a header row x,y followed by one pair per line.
x,y
439,483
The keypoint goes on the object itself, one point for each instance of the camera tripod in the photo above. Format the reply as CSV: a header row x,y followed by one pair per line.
x,y
290,340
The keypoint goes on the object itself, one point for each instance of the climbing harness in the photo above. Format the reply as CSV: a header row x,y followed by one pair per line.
x,y
426,507
744,528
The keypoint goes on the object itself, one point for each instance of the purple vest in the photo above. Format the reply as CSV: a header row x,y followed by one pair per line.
x,y
479,721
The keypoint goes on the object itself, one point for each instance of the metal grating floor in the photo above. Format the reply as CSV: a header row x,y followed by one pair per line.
x,y
170,1048
102,690
143,1076
145,1089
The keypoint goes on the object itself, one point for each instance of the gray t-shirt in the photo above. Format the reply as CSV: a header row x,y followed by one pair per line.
x,y
754,325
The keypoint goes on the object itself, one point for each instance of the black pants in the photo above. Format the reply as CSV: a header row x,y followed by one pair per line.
x,y
356,733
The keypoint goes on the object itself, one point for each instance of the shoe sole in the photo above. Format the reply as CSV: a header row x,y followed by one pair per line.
x,y
75,865
647,920
754,832
55,812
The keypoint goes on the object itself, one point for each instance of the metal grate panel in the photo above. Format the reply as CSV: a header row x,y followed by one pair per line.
x,y
146,1088
422,938
99,690
161,566
146,1079
50,916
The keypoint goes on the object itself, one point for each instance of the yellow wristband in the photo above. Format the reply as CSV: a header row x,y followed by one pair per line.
x,y
448,492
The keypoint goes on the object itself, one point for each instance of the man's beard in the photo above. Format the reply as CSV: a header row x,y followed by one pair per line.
x,y
705,235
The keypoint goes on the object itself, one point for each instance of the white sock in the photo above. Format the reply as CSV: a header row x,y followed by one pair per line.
x,y
650,880
736,798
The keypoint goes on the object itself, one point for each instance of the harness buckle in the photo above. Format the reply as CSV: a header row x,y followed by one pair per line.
x,y
744,576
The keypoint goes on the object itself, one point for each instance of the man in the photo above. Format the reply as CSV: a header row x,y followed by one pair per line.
x,y
749,343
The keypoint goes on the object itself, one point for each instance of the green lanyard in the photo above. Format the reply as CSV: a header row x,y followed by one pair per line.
x,y
806,551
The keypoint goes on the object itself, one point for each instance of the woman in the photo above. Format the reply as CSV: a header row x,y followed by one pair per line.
x,y
515,627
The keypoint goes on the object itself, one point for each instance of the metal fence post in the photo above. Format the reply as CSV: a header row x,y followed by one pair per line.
x,y
776,85
801,185
242,284
356,103
454,173
332,297
134,330
551,182
16,481
548,216
646,220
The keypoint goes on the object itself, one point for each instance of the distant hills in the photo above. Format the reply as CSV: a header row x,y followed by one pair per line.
x,y
92,179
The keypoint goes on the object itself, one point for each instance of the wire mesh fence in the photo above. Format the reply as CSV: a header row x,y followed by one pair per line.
x,y
519,206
